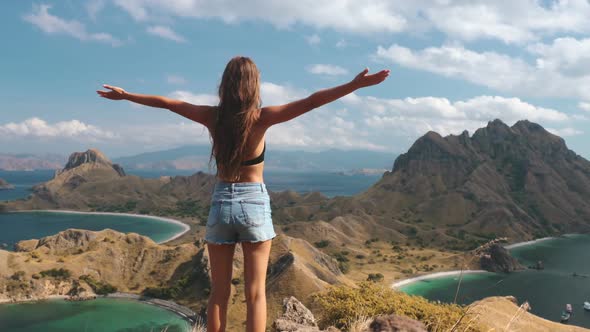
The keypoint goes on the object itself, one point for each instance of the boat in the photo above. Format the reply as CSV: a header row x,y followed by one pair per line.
x,y
568,308
565,317
587,305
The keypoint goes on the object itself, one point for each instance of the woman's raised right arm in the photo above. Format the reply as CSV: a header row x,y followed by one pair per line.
x,y
276,114
199,113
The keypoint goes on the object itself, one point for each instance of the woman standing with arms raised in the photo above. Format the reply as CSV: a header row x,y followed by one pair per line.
x,y
240,205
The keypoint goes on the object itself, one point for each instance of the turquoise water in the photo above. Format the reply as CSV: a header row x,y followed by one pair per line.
x,y
547,291
23,181
19,226
104,315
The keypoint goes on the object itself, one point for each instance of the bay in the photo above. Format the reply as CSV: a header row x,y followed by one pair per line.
x,y
104,315
547,291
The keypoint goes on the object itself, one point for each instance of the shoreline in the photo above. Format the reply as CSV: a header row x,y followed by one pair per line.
x,y
443,274
528,243
171,306
434,275
185,227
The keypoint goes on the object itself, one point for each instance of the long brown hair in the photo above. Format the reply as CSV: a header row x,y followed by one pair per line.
x,y
238,110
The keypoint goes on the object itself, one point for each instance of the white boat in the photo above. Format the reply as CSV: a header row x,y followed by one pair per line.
x,y
587,305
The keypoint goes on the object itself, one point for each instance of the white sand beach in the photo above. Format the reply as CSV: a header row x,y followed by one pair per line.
x,y
434,276
527,243
185,227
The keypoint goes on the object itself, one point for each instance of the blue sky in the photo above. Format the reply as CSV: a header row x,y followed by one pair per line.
x,y
455,65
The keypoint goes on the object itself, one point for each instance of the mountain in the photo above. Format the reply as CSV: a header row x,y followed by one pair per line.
x,y
197,157
521,182
5,185
28,162
91,182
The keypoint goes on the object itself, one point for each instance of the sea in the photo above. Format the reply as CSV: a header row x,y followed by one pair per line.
x,y
564,279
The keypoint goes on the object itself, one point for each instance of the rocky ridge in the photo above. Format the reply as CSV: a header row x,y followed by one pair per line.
x,y
5,185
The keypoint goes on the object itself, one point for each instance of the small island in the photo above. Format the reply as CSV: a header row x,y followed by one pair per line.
x,y
5,185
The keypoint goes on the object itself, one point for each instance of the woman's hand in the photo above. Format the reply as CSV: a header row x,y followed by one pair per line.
x,y
116,93
363,80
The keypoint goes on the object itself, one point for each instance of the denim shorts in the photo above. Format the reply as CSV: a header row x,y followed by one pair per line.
x,y
240,212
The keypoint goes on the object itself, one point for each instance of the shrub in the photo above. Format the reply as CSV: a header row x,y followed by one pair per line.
x,y
344,267
56,273
322,243
99,287
375,277
18,275
170,292
342,305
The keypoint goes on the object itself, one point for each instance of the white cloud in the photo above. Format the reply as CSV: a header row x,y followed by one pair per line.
x,y
326,69
52,24
414,116
38,128
166,33
276,94
344,15
568,56
508,21
585,106
197,99
176,79
313,39
550,77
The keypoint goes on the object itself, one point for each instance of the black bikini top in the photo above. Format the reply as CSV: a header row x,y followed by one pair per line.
x,y
256,160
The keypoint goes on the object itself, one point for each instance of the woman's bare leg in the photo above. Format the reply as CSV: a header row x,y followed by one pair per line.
x,y
255,264
221,259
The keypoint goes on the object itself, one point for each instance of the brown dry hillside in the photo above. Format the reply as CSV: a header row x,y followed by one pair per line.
x,y
129,262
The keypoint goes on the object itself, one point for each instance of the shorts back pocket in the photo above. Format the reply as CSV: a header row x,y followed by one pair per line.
x,y
253,211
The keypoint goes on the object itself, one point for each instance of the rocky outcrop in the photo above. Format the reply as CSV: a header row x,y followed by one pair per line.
x,y
5,185
91,156
297,318
498,259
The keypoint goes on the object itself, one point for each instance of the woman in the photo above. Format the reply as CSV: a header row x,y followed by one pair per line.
x,y
240,205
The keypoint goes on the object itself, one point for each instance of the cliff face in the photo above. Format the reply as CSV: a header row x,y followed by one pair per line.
x,y
498,259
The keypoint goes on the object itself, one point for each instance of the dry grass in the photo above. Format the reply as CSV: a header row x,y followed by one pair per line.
x,y
361,324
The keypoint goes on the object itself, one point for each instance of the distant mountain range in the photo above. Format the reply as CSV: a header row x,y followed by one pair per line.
x,y
29,162
197,158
